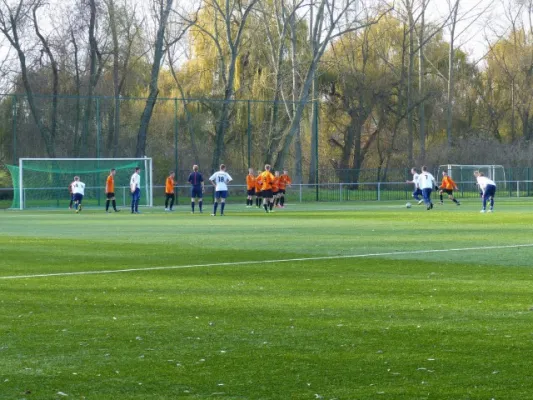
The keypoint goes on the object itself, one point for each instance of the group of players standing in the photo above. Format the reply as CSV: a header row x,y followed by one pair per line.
x,y
267,188
425,182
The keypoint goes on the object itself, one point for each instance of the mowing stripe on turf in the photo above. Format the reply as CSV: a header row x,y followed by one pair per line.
x,y
226,264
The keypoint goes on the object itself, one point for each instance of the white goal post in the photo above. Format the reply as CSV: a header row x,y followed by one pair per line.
x,y
38,177
465,173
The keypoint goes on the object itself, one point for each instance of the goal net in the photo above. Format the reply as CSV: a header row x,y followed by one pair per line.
x,y
44,182
464,174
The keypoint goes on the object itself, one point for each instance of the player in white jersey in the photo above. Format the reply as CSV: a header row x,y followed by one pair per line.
x,y
220,181
78,191
426,182
416,192
135,188
488,190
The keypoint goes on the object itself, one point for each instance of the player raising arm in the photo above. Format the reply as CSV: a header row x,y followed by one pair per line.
x,y
197,188
426,182
417,192
78,189
71,195
110,191
448,186
220,181
488,190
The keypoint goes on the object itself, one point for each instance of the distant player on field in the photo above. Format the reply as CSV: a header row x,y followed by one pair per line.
x,y
135,188
284,181
266,189
258,186
250,188
169,191
417,192
426,183
220,181
197,187
110,191
275,188
488,190
71,195
78,189
448,186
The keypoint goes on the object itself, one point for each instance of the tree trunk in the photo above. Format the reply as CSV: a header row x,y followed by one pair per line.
x,y
449,97
410,133
421,71
154,79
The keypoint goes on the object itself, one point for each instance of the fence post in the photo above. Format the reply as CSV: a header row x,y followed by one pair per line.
x,y
340,192
249,133
518,189
176,129
315,134
379,191
300,192
14,111
124,196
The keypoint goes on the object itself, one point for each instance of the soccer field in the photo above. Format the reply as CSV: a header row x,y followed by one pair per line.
x,y
316,301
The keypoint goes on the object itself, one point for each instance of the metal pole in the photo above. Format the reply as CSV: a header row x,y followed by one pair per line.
x,y
21,182
315,133
176,131
14,105
249,132
98,138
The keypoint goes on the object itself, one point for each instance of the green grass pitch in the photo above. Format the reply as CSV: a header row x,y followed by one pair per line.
x,y
321,301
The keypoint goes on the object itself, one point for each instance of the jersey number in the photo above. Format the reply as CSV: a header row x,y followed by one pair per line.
x,y
221,179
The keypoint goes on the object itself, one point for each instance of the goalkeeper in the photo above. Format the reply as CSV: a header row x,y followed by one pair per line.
x,y
448,186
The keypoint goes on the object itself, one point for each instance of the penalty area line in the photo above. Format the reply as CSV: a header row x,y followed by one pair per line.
x,y
255,262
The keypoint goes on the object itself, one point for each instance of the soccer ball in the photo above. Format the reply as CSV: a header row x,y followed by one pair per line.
x,y
408,205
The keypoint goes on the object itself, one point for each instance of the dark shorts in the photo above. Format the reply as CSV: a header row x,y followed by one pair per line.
x,y
221,194
282,191
136,195
196,191
110,195
267,194
78,197
490,191
259,193
251,192
449,192
169,195
275,192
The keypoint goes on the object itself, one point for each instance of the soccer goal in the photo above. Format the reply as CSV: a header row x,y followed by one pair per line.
x,y
465,173
44,182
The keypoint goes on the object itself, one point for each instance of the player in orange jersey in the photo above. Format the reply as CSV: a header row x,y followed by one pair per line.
x,y
250,188
266,189
258,186
284,182
169,191
448,186
110,191
275,188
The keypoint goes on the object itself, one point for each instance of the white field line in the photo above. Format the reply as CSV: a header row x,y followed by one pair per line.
x,y
231,264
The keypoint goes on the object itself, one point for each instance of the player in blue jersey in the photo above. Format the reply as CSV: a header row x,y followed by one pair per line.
x,y
197,188
220,181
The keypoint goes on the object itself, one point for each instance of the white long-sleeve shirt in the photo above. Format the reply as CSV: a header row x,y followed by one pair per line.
x,y
483,182
426,181
135,181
